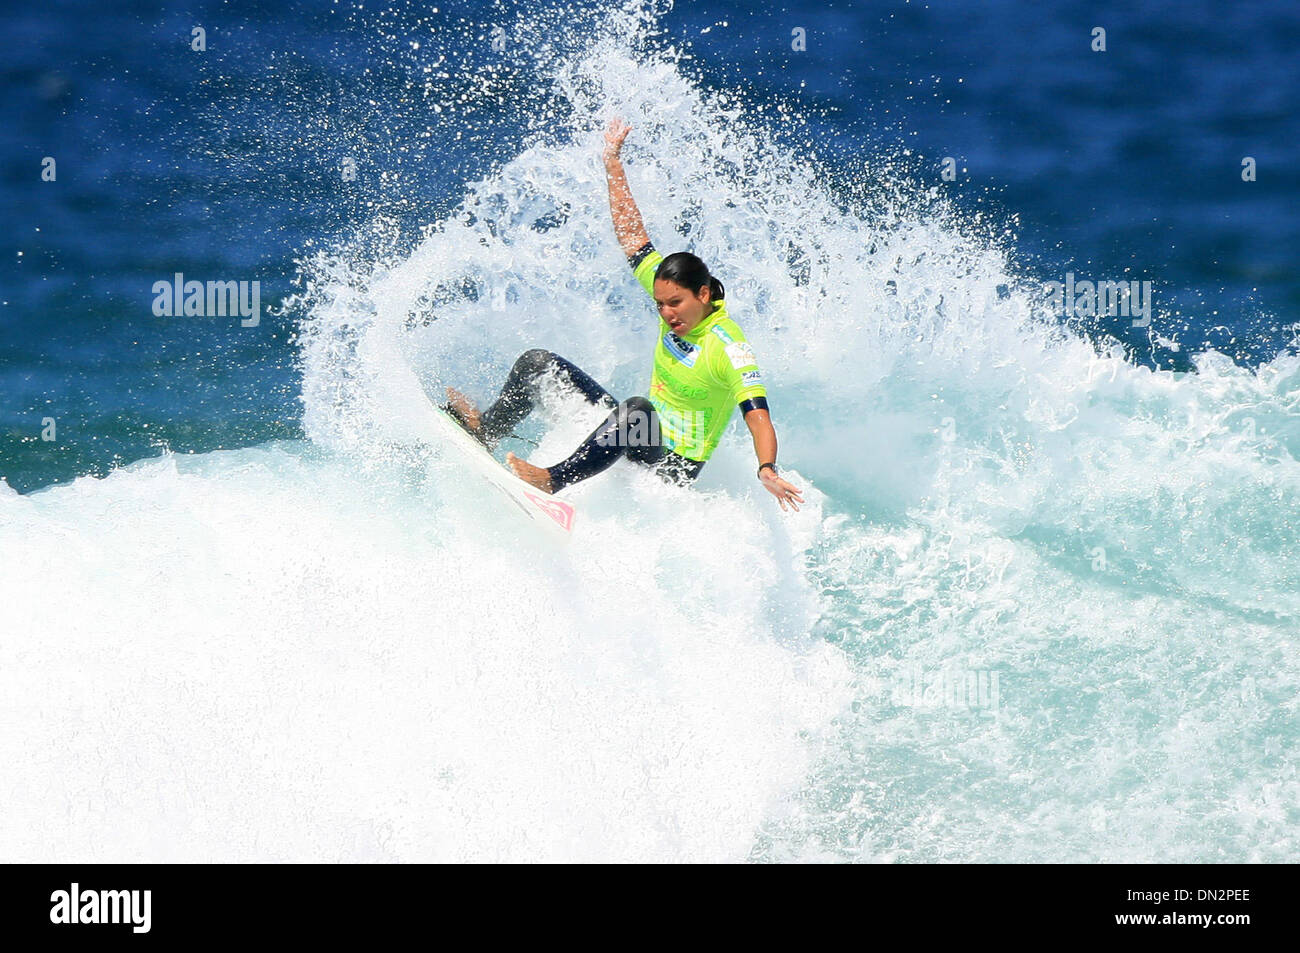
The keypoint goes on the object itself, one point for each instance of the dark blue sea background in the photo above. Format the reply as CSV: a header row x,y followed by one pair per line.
x,y
223,164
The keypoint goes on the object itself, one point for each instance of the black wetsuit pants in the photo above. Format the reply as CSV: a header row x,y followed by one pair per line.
x,y
631,429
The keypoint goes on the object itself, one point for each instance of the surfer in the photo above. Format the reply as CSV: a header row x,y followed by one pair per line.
x,y
703,369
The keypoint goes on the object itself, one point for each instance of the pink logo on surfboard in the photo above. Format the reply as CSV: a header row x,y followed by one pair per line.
x,y
562,513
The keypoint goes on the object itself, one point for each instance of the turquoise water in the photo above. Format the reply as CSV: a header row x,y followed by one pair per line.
x,y
1042,604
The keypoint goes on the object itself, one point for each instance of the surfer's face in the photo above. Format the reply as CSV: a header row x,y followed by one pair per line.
x,y
681,310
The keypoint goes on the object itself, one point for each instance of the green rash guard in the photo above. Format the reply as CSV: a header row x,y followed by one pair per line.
x,y
699,378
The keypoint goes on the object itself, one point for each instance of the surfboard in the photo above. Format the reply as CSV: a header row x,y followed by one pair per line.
x,y
542,508
424,419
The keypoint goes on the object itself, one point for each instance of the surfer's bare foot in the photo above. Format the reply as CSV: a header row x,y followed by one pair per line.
x,y
530,474
465,407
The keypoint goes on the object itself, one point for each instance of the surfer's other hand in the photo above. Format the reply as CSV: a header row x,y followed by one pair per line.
x,y
783,490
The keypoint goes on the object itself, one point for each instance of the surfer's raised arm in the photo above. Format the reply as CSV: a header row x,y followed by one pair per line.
x,y
628,226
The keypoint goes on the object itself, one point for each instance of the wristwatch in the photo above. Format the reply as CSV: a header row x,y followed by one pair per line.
x,y
763,466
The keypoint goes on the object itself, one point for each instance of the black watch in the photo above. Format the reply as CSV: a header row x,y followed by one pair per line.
x,y
763,466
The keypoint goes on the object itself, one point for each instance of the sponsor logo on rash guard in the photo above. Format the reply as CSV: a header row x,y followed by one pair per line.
x,y
684,351
741,355
679,387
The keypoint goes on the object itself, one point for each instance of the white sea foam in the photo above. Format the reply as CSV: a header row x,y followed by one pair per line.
x,y
260,654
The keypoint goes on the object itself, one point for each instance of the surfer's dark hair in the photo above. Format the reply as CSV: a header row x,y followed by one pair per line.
x,y
683,268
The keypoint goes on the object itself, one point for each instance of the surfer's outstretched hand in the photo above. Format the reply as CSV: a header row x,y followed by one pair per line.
x,y
614,137
783,490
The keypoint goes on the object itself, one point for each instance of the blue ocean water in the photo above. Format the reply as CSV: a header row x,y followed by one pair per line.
x,y
1041,605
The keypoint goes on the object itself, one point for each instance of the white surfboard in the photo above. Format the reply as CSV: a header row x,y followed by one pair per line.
x,y
542,508
423,419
